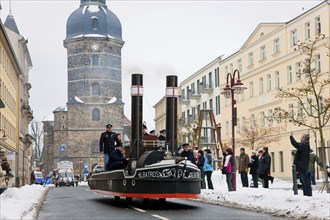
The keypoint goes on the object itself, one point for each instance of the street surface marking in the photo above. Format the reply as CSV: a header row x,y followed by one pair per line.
x,y
160,217
137,209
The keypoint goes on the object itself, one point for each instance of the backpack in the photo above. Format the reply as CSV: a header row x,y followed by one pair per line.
x,y
209,158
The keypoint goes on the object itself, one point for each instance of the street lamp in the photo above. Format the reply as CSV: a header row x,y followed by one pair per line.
x,y
229,92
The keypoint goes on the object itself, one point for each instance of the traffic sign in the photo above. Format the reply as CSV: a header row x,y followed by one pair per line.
x,y
86,165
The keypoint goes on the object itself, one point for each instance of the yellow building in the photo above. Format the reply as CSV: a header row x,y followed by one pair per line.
x,y
160,115
15,113
267,61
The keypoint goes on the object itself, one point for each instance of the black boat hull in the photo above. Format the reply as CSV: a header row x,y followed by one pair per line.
x,y
163,181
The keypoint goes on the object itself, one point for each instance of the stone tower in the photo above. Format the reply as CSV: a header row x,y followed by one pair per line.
x,y
93,42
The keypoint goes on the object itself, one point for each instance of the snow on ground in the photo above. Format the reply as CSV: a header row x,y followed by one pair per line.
x,y
279,200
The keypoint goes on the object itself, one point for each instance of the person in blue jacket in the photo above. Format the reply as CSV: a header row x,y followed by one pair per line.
x,y
208,168
188,153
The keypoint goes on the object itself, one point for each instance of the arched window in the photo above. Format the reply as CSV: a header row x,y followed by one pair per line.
x,y
95,60
95,114
95,23
96,89
95,146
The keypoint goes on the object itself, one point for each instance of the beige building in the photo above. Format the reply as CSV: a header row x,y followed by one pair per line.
x,y
267,61
160,115
15,113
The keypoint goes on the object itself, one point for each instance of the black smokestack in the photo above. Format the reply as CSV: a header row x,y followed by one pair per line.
x,y
171,112
136,115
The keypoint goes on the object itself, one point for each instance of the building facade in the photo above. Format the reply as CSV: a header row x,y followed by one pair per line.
x,y
267,61
16,114
93,42
160,115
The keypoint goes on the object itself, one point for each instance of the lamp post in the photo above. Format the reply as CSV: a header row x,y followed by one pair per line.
x,y
231,88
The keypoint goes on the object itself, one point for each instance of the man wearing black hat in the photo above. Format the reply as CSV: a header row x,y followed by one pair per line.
x,y
162,136
188,153
108,141
117,159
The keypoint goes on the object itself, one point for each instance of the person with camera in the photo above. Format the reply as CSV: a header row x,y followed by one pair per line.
x,y
301,160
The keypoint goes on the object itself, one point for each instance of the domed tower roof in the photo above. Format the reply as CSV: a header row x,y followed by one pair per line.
x,y
93,19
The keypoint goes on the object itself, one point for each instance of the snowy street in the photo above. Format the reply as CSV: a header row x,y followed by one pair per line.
x,y
23,203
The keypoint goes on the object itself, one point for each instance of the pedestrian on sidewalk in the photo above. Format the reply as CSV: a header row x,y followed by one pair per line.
x,y
264,168
253,165
311,166
200,165
208,168
228,168
243,163
301,160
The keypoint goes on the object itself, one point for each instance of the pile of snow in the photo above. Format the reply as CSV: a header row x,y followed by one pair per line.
x,y
278,200
21,203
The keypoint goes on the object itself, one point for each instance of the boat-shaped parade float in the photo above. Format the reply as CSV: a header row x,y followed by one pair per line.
x,y
155,169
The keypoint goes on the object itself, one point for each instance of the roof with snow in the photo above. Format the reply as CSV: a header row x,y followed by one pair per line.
x,y
115,101
60,109
75,100
93,19
11,24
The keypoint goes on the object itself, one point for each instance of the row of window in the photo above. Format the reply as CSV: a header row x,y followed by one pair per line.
x,y
9,129
308,31
7,97
201,84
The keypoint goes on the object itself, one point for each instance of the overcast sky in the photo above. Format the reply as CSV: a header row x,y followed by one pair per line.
x,y
161,38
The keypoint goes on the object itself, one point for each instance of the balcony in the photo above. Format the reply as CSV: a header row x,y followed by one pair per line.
x,y
195,96
183,100
207,89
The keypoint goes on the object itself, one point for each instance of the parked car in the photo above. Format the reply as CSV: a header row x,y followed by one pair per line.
x,y
98,168
39,178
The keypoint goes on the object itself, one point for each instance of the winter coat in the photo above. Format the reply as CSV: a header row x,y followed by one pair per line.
x,y
107,142
264,165
301,160
200,162
228,163
253,164
243,162
190,156
208,165
312,159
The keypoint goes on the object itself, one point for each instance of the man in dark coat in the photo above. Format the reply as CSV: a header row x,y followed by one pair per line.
x,y
254,168
117,159
108,141
200,165
188,153
264,168
301,160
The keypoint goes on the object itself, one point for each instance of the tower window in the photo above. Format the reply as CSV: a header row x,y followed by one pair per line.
x,y
95,146
96,89
95,60
96,114
95,23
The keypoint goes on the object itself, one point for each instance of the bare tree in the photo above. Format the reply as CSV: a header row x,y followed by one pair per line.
x,y
255,137
311,94
37,134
